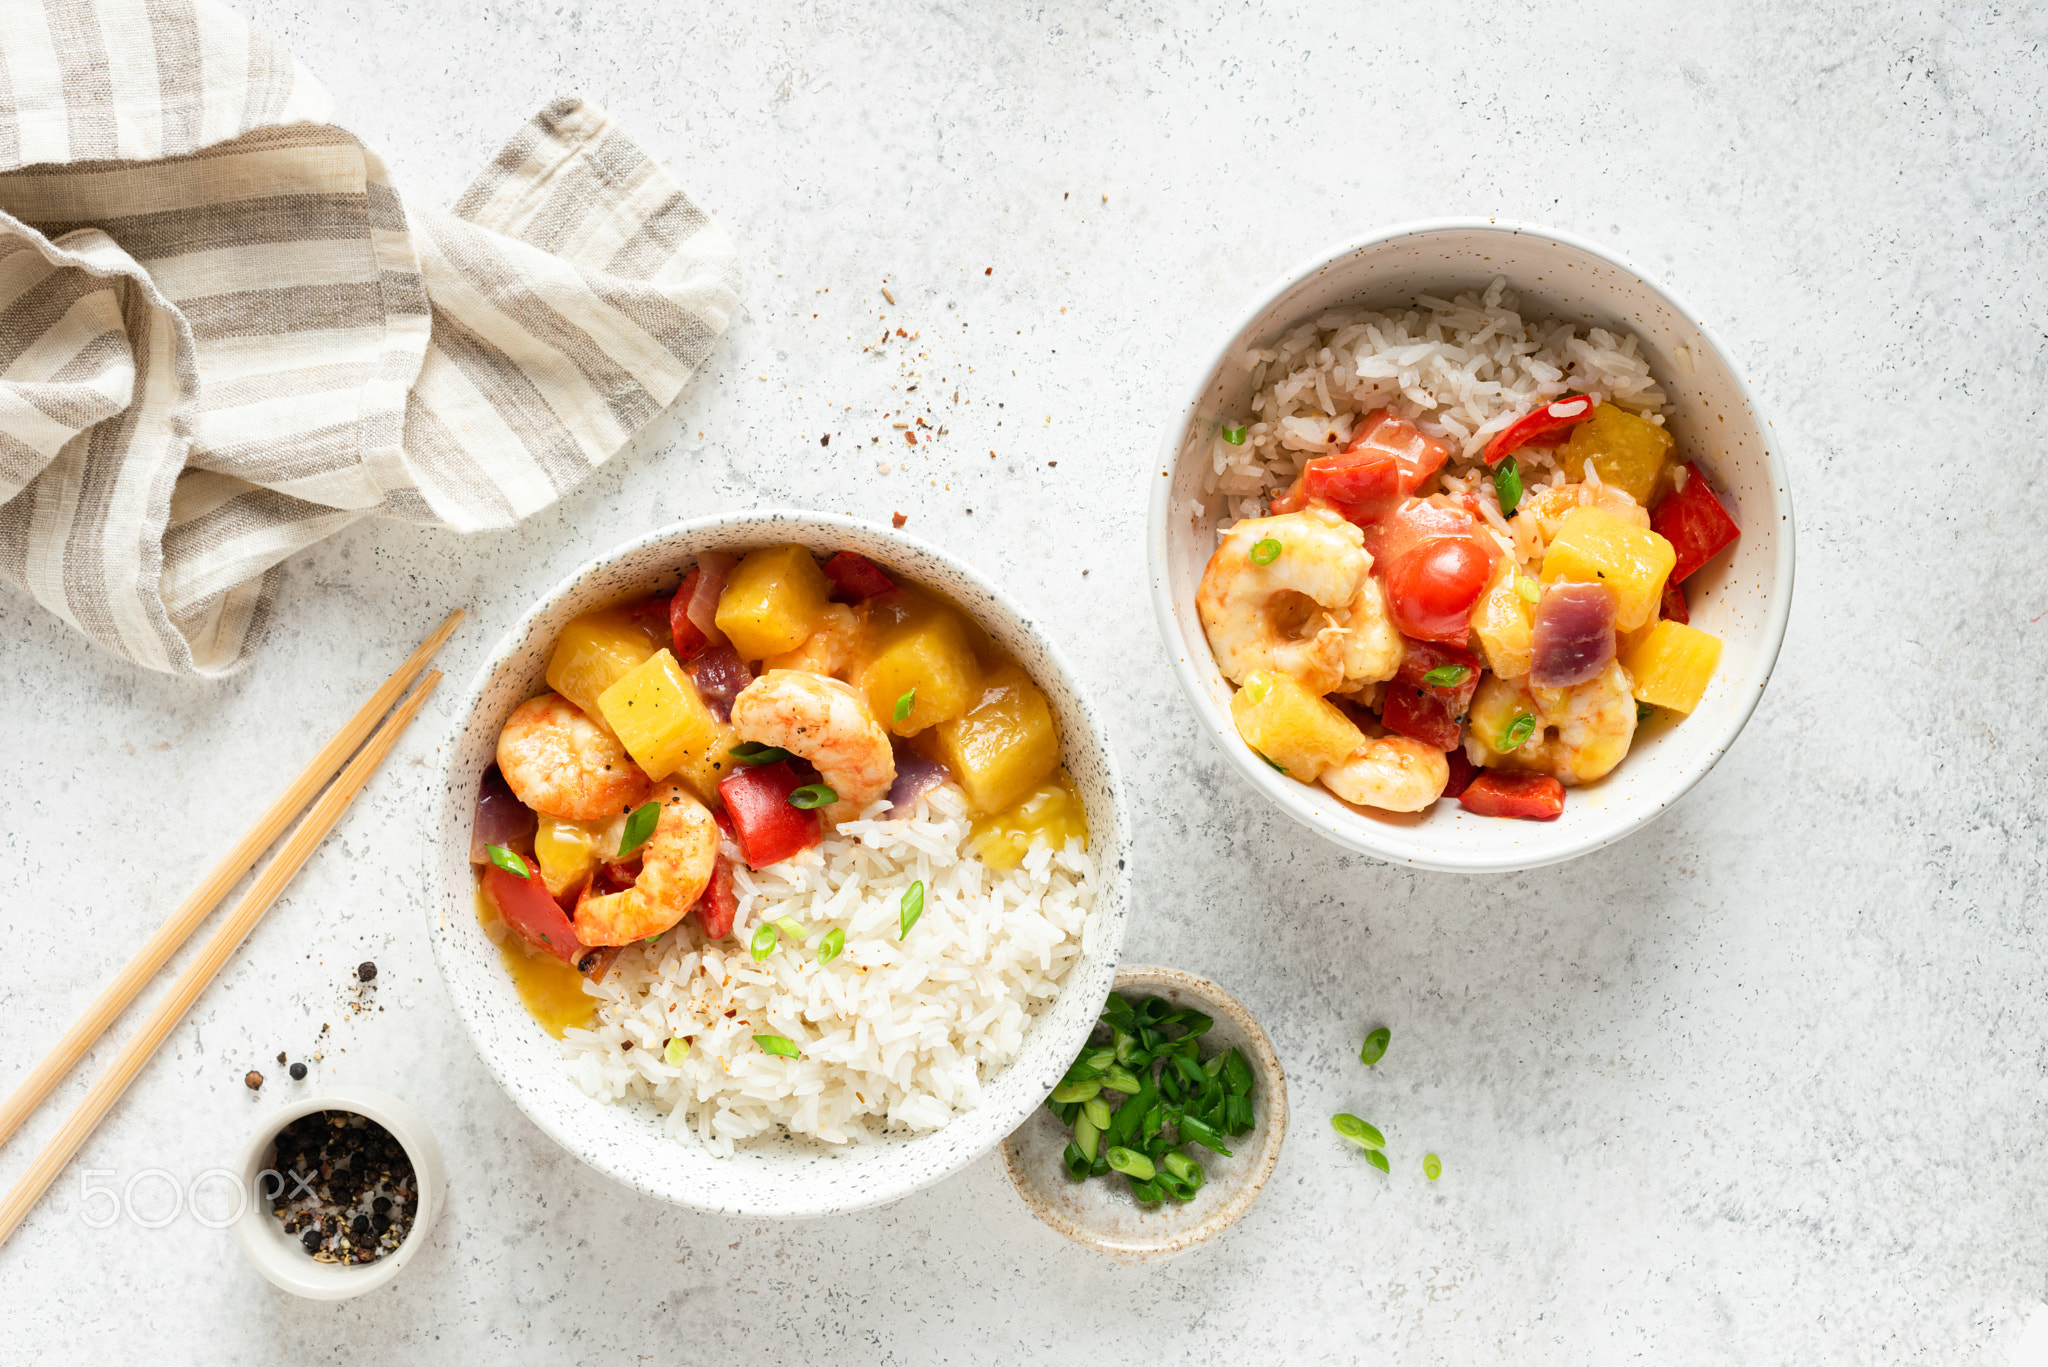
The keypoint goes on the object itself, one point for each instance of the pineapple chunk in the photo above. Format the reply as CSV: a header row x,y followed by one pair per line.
x,y
567,851
1298,732
929,652
1493,712
1596,547
658,715
595,651
772,601
1671,666
1504,620
1050,814
1628,452
1005,745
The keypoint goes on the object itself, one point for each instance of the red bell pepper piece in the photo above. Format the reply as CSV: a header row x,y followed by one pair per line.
x,y
768,829
719,904
689,637
1362,486
856,578
525,906
1674,609
1431,713
1541,427
1418,454
1694,522
1538,797
1463,771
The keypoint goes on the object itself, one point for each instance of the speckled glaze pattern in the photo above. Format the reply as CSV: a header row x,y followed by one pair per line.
x,y
1744,597
1100,1214
773,1176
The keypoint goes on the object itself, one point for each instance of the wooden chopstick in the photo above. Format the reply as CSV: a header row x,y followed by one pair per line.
x,y
174,932
183,992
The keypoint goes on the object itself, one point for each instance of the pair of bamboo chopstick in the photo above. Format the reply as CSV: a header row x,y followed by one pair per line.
x,y
175,931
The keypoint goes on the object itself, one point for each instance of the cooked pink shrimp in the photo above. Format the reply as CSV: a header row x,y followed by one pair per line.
x,y
562,764
825,722
675,868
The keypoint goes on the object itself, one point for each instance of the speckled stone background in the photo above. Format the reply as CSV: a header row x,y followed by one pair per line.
x,y
1765,1083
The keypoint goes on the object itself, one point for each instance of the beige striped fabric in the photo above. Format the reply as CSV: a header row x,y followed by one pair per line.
x,y
223,337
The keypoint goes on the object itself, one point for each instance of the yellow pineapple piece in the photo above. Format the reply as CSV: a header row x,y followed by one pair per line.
x,y
1672,664
1050,814
928,651
1004,745
1629,452
1504,620
567,851
772,601
1495,708
595,651
658,715
1298,732
703,764
1596,547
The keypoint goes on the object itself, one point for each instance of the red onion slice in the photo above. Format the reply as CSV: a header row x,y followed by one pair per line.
x,y
1574,636
501,819
915,776
720,674
713,569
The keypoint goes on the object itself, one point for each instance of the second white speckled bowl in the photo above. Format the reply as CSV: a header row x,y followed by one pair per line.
x,y
771,1176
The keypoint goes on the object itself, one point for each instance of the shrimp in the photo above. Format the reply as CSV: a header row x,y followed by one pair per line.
x,y
562,764
1537,520
675,868
825,722
1582,732
1393,773
834,645
1312,610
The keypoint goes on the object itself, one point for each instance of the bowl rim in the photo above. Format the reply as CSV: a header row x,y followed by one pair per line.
x,y
800,522
1359,835
1139,977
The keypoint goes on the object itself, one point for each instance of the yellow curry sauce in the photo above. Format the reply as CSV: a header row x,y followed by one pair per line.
x,y
552,991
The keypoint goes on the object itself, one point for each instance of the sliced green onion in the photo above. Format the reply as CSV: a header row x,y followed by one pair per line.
x,y
831,945
1132,1164
1076,1091
1237,1074
1234,435
777,1045
753,752
1097,1111
1644,712
1519,730
904,704
677,1051
791,927
1526,586
1357,1131
1378,1160
1180,1165
1507,485
1199,1131
1446,676
1277,768
508,861
910,909
1375,1046
764,941
1432,1166
639,826
1121,1079
813,795
1087,1134
1265,551
655,936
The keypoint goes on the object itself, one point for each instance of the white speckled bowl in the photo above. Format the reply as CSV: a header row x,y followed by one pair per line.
x,y
1100,1214
1744,597
781,1176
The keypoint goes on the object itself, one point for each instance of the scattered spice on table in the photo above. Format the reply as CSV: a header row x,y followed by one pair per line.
x,y
898,520
298,1072
366,972
252,1080
346,1187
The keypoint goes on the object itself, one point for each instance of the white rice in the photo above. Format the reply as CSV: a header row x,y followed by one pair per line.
x,y
1461,369
894,1032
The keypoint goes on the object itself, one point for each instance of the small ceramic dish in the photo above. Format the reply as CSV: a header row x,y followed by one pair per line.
x,y
1744,597
773,1175
1099,1213
278,1255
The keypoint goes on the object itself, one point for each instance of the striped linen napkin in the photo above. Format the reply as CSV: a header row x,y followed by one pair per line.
x,y
223,337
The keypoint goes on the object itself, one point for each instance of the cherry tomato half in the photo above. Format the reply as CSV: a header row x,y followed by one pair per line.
x,y
1431,589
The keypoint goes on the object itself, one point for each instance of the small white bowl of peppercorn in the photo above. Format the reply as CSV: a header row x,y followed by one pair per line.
x,y
343,1190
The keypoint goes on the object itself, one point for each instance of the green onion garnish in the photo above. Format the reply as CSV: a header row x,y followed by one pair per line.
x,y
813,795
1265,551
776,1044
791,927
508,861
677,1051
764,941
830,947
1446,676
1135,1166
1068,1093
1526,586
1279,767
1507,485
1375,1047
639,826
1234,435
910,908
1519,730
1432,1166
1097,1111
904,704
753,752
1357,1131
1378,1160
1087,1135
1644,712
